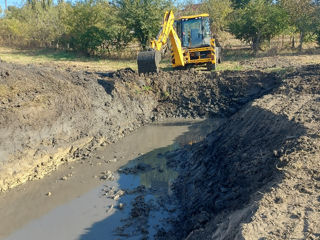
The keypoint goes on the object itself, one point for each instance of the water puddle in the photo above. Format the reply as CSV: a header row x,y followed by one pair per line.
x,y
132,203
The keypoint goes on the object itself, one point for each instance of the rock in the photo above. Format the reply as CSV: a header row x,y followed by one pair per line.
x,y
48,194
107,175
109,209
118,194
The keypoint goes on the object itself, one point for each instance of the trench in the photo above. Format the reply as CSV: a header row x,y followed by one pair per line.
x,y
99,210
91,199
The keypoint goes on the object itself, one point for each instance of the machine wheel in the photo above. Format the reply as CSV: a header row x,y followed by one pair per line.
x,y
211,66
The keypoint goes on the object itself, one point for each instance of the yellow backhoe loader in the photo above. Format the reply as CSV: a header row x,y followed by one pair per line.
x,y
191,44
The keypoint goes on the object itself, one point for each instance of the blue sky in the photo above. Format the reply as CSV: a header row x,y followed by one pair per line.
x,y
11,2
19,3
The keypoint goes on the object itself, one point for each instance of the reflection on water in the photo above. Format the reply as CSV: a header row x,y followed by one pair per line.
x,y
150,170
158,175
95,215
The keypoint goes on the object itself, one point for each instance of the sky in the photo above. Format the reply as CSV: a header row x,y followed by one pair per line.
x,y
19,3
11,2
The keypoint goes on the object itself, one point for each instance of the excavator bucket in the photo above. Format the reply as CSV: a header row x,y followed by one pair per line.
x,y
148,61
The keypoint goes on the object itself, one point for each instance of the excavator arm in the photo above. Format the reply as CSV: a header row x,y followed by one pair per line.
x,y
148,61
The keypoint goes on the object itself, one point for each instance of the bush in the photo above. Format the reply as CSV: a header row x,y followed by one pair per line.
x,y
258,22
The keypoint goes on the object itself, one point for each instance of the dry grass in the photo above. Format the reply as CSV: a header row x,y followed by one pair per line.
x,y
4,90
235,57
63,59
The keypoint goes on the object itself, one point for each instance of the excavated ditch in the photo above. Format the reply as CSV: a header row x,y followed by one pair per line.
x,y
257,175
50,116
255,161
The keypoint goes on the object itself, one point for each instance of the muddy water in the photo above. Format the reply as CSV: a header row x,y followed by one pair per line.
x,y
131,203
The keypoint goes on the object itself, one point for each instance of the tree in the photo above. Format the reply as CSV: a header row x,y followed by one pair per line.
x,y
239,3
94,26
318,21
218,11
302,15
257,22
143,17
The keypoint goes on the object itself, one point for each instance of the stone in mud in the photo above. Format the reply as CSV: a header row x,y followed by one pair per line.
x,y
141,167
140,208
140,189
118,194
107,175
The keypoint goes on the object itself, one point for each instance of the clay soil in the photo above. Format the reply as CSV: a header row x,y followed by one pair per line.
x,y
256,177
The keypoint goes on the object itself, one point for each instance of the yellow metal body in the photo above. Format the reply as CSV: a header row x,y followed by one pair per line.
x,y
211,58
194,16
182,56
166,31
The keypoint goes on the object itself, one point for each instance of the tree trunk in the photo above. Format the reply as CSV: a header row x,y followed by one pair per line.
x,y
292,43
302,34
256,44
5,5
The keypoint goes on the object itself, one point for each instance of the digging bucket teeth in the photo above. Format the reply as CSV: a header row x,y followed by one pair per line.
x,y
148,61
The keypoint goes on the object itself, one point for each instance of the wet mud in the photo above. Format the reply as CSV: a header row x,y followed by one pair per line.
x,y
50,116
254,177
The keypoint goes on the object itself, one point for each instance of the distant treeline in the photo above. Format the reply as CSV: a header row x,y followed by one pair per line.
x,y
101,27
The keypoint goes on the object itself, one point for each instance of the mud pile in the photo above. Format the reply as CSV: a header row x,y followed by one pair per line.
x,y
50,115
257,176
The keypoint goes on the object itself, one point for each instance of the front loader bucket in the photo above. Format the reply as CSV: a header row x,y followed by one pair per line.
x,y
148,61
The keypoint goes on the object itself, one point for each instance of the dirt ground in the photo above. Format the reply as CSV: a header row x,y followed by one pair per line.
x,y
50,116
256,177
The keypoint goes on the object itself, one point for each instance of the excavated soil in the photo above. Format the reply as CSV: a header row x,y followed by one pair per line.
x,y
256,177
50,116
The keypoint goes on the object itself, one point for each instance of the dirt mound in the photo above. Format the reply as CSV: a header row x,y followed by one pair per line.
x,y
50,115
257,176
211,94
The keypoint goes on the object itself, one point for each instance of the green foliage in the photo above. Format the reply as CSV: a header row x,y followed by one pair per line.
x,y
32,25
143,17
218,10
258,22
100,27
85,26
239,3
92,27
304,16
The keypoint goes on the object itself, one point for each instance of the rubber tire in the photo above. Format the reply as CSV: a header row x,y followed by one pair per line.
x,y
211,66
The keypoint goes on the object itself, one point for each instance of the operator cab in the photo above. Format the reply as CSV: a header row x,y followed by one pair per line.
x,y
194,31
